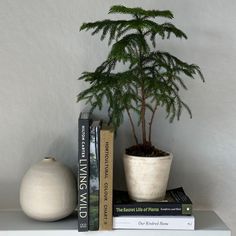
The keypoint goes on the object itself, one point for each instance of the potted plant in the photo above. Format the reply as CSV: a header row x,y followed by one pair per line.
x,y
150,78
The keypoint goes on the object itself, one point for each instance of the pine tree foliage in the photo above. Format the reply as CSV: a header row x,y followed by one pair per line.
x,y
151,78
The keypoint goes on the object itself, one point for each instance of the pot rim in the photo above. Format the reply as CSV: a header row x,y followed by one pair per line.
x,y
169,156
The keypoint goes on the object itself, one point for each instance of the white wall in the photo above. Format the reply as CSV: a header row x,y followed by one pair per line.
x,y
42,53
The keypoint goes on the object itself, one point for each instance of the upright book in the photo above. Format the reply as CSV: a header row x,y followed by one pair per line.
x,y
94,175
83,171
106,177
176,202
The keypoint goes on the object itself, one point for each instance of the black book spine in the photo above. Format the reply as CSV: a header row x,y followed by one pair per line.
x,y
160,209
83,175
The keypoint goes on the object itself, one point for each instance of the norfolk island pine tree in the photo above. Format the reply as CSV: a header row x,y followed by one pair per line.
x,y
151,78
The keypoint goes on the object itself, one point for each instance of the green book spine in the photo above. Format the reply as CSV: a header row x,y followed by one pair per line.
x,y
94,176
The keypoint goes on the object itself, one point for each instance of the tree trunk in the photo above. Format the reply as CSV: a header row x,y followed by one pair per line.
x,y
143,120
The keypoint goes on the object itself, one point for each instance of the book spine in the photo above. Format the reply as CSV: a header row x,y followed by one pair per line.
x,y
106,179
159,209
161,222
94,179
83,175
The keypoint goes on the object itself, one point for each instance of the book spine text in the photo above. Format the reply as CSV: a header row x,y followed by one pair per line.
x,y
83,175
106,179
151,210
164,222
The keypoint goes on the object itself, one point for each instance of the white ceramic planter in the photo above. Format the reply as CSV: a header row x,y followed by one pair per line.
x,y
147,177
48,191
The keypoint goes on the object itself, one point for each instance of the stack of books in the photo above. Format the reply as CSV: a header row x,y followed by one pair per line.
x,y
95,174
174,212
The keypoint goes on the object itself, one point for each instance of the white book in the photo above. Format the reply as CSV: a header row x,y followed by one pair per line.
x,y
154,222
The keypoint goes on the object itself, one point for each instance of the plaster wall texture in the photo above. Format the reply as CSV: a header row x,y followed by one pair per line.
x,y
42,53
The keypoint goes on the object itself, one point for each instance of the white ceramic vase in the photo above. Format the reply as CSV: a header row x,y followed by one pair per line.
x,y
147,177
48,191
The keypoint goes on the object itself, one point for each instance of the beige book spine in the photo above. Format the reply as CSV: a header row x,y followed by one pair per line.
x,y
106,178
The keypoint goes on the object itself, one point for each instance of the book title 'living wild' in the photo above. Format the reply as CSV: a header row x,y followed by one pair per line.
x,y
83,176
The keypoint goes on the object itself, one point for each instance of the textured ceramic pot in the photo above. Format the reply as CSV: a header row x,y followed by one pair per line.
x,y
48,191
147,177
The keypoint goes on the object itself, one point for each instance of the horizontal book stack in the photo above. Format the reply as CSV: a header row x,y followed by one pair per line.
x,y
174,212
95,174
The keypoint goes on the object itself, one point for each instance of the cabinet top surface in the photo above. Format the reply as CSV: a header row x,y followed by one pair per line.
x,y
17,221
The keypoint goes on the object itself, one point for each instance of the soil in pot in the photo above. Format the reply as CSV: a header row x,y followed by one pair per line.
x,y
145,150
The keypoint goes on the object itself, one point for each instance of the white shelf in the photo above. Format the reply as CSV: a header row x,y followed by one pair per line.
x,y
15,223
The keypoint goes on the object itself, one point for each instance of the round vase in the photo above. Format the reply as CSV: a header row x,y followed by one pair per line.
x,y
48,191
147,177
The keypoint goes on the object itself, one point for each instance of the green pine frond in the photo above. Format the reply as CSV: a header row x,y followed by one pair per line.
x,y
149,77
140,12
171,29
126,48
164,30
